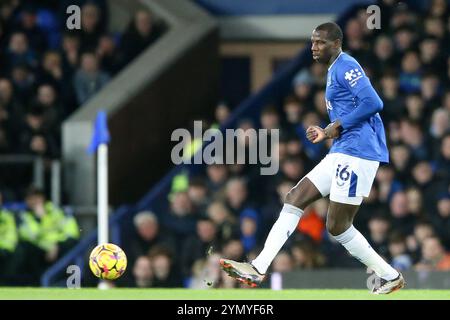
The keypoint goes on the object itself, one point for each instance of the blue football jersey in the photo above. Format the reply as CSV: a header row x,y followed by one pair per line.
x,y
345,82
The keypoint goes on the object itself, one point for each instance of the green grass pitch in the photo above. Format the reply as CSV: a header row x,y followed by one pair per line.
x,y
214,294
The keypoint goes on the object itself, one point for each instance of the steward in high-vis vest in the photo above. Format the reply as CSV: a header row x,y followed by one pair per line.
x,y
8,231
45,232
8,242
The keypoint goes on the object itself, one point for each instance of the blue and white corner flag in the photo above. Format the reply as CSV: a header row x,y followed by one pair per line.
x,y
101,133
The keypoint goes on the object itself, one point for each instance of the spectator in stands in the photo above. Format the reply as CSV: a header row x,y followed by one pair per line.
x,y
384,56
141,32
392,100
430,55
233,249
23,81
35,139
19,51
226,225
434,26
366,212
292,168
28,25
428,183
89,78
196,246
270,119
70,50
249,224
180,220
378,234
440,125
430,90
148,233
438,9
51,69
400,259
198,193
306,255
283,262
293,110
404,38
387,184
410,73
412,135
441,219
443,160
353,39
401,218
434,256
107,54
11,105
91,28
303,83
143,272
401,161
47,100
217,175
237,196
165,274
415,107
422,230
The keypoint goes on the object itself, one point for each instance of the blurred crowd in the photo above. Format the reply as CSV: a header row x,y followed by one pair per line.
x,y
47,71
227,210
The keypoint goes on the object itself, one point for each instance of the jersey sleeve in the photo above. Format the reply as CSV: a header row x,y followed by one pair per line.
x,y
351,76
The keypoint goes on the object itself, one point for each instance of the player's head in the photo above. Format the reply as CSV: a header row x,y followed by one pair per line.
x,y
326,41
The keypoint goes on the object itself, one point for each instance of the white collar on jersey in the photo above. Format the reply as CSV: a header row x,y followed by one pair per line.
x,y
340,54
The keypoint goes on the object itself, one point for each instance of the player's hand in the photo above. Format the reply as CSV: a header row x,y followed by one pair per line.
x,y
332,131
315,134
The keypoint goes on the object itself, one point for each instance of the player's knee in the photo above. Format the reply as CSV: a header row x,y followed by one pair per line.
x,y
336,228
294,198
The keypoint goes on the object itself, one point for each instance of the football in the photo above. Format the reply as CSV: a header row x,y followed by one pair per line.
x,y
108,261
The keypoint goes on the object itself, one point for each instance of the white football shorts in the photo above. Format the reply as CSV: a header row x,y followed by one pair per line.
x,y
345,178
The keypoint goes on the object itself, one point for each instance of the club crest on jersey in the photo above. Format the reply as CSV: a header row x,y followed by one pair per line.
x,y
353,76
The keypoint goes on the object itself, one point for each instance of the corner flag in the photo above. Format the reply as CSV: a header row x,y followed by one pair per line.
x,y
101,133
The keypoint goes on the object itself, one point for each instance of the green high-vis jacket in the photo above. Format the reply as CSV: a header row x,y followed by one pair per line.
x,y
8,231
55,226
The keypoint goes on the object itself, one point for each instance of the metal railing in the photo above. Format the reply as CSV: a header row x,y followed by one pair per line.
x,y
37,163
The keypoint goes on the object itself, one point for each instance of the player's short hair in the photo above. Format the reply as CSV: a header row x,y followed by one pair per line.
x,y
334,32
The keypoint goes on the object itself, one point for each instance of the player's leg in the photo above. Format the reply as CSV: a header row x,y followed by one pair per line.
x,y
298,198
314,186
340,226
352,182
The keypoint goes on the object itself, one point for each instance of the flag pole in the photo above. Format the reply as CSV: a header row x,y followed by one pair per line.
x,y
99,144
102,193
